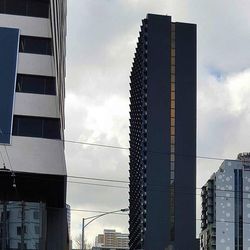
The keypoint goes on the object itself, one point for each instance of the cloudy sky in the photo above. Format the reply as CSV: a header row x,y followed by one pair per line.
x,y
101,41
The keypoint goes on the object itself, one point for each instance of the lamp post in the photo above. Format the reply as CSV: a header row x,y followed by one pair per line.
x,y
93,218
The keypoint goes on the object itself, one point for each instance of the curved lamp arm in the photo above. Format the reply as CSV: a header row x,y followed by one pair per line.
x,y
98,216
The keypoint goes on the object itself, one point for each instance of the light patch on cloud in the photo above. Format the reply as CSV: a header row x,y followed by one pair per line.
x,y
108,118
224,114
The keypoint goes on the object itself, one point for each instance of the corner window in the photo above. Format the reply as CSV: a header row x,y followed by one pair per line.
x,y
35,45
43,85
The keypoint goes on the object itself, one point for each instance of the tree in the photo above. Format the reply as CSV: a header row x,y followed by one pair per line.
x,y
78,243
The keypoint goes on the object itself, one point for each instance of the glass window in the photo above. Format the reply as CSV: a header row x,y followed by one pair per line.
x,y
50,86
16,7
172,52
172,113
36,84
24,247
51,128
36,8
172,69
172,78
35,45
172,95
172,139
172,104
37,230
36,127
172,86
36,215
18,230
29,126
172,131
172,158
173,60
173,35
172,175
172,167
172,122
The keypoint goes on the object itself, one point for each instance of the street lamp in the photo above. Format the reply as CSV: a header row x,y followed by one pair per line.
x,y
93,218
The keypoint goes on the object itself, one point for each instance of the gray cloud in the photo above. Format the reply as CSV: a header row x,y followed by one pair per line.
x,y
101,39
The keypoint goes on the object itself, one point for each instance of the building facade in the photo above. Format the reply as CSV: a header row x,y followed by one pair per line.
x,y
163,136
111,239
226,206
32,87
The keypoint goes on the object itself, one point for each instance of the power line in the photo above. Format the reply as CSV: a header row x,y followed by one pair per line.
x,y
152,151
103,145
96,144
97,179
94,184
149,188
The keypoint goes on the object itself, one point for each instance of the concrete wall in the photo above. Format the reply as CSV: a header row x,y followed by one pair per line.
x,y
28,26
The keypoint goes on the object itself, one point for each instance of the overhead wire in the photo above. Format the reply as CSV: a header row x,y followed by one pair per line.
x,y
94,184
123,181
103,145
97,179
177,188
151,151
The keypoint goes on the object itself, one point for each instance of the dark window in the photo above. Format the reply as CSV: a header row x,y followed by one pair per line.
x,y
36,84
36,215
51,128
36,127
22,247
37,230
19,230
35,8
38,8
35,45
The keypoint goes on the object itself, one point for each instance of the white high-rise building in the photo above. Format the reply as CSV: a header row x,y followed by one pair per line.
x,y
110,239
226,207
32,89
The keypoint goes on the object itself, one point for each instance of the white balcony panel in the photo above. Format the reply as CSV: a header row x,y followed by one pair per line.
x,y
36,105
36,155
36,64
29,26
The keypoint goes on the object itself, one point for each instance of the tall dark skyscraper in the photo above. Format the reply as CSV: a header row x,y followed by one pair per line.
x,y
163,136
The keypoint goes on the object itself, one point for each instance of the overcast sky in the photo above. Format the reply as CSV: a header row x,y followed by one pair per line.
x,y
101,41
